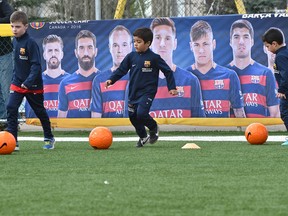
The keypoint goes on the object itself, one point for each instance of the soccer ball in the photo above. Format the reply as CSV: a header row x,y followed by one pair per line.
x,y
7,143
100,138
256,133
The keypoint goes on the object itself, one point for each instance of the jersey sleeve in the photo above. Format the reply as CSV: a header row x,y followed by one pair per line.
x,y
271,89
168,73
35,61
282,66
122,70
96,102
235,94
197,109
63,99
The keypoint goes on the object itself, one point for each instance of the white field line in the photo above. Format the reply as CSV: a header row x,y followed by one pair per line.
x,y
164,138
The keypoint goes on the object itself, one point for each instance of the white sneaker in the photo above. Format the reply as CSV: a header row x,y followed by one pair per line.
x,y
142,141
17,148
285,143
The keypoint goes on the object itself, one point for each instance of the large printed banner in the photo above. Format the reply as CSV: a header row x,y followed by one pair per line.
x,y
221,69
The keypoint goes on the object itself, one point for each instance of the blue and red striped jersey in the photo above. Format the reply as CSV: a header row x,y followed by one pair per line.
x,y
110,102
75,95
188,103
259,89
220,90
51,89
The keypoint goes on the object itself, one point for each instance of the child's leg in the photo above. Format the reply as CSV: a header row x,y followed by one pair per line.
x,y
143,113
36,103
144,117
13,105
284,111
139,116
138,125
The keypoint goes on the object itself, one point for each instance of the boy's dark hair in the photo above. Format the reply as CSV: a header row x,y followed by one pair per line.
x,y
273,34
85,34
144,33
19,16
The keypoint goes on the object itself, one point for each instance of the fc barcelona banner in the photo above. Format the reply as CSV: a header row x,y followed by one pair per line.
x,y
223,73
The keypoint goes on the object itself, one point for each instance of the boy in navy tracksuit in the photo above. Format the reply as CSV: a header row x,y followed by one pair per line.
x,y
27,79
143,66
274,41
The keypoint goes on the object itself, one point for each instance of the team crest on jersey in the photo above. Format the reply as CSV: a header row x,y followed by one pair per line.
x,y
275,69
37,25
255,79
180,90
22,51
147,64
219,84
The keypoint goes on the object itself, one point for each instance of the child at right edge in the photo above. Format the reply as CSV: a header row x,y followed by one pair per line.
x,y
274,41
143,66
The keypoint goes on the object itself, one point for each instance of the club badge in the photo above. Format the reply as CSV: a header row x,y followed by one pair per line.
x,y
219,84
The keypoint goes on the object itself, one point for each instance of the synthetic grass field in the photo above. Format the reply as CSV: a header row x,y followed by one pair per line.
x,y
221,178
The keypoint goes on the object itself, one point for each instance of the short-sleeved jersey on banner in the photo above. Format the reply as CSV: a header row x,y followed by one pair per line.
x,y
51,89
259,89
188,103
75,95
109,102
220,90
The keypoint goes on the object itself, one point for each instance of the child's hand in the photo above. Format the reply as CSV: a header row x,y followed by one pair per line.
x,y
23,86
281,95
108,83
173,92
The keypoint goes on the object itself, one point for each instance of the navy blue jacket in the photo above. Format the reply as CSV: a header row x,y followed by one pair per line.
x,y
27,63
144,72
5,12
281,73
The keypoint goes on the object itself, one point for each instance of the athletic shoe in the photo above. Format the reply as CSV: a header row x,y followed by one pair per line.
x,y
3,126
17,148
154,134
142,142
285,143
49,143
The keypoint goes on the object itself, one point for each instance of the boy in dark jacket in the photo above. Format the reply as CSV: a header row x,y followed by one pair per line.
x,y
143,66
27,79
274,41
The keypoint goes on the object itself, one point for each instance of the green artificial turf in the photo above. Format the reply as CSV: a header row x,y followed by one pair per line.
x,y
221,178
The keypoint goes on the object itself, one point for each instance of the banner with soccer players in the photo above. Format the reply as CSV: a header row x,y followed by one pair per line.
x,y
221,69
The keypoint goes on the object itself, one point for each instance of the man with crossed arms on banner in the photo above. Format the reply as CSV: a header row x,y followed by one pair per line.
x,y
258,83
188,102
75,90
220,86
109,102
52,76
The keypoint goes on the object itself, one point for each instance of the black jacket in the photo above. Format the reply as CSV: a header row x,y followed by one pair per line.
x,y
27,64
281,75
143,74
5,12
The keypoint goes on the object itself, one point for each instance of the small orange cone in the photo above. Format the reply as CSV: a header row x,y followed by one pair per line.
x,y
190,146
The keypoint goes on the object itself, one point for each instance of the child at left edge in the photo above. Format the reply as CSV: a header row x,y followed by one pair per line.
x,y
27,80
143,66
